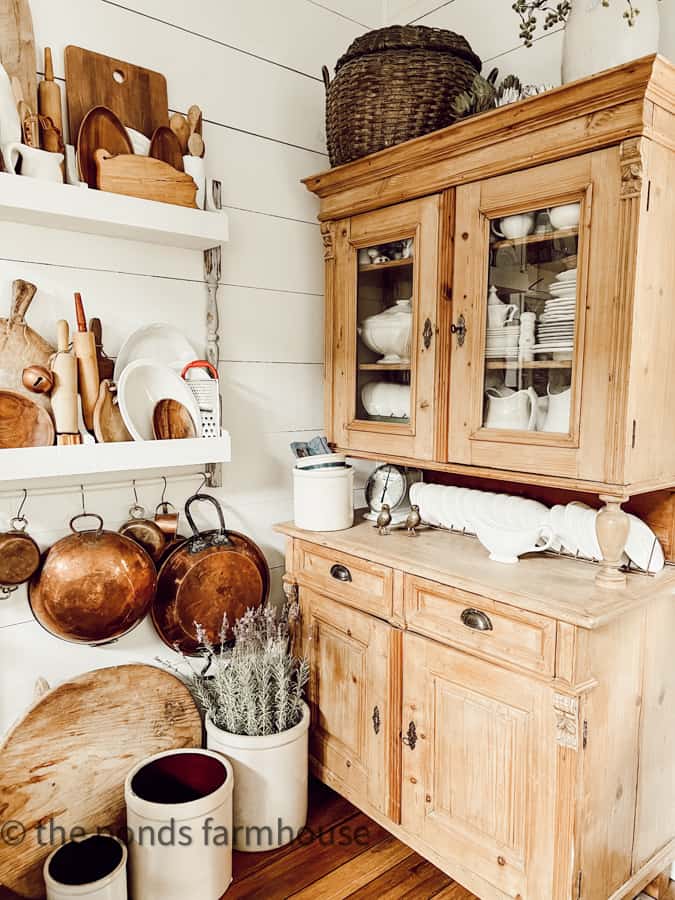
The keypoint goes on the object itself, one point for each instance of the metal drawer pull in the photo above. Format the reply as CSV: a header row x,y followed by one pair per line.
x,y
341,573
479,621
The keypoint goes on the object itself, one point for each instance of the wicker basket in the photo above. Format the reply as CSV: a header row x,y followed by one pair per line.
x,y
394,84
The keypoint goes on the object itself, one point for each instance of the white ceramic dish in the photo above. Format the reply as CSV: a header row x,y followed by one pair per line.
x,y
643,547
388,333
567,275
142,385
160,343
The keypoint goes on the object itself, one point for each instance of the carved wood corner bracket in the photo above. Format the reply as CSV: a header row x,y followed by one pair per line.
x,y
632,168
328,243
566,720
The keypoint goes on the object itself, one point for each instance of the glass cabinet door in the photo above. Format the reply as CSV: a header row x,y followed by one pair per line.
x,y
385,309
531,320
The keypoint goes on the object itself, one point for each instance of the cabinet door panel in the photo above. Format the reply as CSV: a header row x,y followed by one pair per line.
x,y
477,786
536,257
384,372
354,696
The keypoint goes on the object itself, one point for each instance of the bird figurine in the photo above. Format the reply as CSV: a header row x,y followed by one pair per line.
x,y
384,520
413,521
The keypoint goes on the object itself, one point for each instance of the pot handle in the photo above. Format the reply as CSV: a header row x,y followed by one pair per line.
x,y
212,500
97,530
325,74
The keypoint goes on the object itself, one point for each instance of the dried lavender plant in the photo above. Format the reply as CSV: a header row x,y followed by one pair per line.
x,y
256,686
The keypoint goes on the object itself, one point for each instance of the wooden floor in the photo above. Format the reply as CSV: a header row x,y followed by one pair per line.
x,y
345,854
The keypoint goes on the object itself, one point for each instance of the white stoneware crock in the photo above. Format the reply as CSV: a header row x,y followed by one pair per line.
x,y
104,860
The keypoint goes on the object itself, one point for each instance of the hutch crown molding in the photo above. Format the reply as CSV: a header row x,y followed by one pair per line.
x,y
589,164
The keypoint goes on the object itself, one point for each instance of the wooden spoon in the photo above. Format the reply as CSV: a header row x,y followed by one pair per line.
x,y
109,426
181,129
172,421
166,147
195,142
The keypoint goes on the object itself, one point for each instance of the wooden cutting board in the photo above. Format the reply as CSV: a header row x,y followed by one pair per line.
x,y
20,346
137,96
67,758
17,47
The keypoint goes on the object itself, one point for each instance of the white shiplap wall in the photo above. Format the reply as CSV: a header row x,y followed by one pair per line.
x,y
254,68
491,27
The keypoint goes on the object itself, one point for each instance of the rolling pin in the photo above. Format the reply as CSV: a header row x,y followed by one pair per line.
x,y
49,94
84,347
64,393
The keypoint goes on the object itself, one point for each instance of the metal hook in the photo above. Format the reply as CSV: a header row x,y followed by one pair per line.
x,y
84,508
23,503
205,481
162,502
133,484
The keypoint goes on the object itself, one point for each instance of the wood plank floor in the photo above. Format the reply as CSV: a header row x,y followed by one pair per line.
x,y
344,854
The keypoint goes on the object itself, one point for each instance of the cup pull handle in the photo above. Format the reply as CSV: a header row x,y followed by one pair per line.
x,y
340,573
477,620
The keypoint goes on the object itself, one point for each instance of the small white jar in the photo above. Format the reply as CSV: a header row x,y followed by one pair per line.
x,y
101,859
323,499
179,820
271,774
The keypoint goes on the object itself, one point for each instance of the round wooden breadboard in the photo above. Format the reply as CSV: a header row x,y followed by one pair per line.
x,y
63,765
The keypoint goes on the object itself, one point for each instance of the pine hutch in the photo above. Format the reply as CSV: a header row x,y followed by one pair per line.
x,y
516,725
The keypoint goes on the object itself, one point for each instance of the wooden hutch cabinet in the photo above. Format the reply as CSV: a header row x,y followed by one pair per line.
x,y
559,211
513,724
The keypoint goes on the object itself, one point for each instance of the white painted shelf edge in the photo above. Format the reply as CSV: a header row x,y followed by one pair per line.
x,y
91,459
28,201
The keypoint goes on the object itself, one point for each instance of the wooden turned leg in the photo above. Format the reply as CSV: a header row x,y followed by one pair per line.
x,y
612,526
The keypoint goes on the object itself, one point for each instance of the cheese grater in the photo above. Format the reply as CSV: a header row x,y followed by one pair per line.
x,y
206,391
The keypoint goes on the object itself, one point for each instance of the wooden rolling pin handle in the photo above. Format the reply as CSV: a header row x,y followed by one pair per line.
x,y
79,313
64,394
49,64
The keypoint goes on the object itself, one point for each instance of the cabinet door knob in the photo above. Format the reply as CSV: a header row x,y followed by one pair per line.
x,y
460,330
340,573
474,618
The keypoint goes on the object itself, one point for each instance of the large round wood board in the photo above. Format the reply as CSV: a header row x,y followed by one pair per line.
x,y
66,760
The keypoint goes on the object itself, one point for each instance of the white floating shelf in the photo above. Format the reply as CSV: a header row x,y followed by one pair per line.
x,y
91,459
28,201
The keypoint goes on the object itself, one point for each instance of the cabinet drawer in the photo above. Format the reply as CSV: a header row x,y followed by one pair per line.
x,y
358,582
455,617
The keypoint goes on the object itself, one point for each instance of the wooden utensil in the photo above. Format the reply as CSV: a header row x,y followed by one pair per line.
x,y
17,47
195,119
166,146
20,346
23,423
141,176
137,96
50,137
38,379
64,393
49,96
109,426
106,366
101,129
195,143
66,760
172,421
179,126
84,347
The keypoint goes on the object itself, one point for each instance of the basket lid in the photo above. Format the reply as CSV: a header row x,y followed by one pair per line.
x,y
410,37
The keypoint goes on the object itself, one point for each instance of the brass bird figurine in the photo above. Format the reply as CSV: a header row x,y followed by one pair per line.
x,y
413,521
384,520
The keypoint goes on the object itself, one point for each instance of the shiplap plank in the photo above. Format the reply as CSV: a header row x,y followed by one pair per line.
x,y
270,326
370,13
272,30
403,12
231,87
539,64
122,302
276,254
263,399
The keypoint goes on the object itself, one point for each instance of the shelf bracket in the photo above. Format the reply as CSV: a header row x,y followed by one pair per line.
x,y
213,259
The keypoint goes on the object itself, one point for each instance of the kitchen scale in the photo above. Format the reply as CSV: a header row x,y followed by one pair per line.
x,y
391,485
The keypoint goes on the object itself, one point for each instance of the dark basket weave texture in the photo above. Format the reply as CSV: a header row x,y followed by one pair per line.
x,y
395,84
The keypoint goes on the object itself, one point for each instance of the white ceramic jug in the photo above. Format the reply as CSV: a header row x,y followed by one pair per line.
x,y
558,415
517,411
34,163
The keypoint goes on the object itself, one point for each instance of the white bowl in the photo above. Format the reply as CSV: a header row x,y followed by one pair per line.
x,y
160,343
142,385
385,399
389,333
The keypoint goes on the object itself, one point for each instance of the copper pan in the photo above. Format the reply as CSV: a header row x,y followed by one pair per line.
x,y
19,555
93,586
213,574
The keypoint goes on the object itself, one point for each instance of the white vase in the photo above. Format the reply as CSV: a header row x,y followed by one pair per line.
x,y
105,855
179,820
270,783
599,38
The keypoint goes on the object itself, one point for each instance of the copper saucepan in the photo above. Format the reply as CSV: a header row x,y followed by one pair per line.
x,y
93,586
213,574
19,555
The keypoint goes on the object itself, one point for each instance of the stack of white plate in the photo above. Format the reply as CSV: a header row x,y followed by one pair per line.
x,y
503,342
555,326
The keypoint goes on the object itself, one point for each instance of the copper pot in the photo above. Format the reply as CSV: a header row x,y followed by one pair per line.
x,y
19,555
147,533
211,575
93,586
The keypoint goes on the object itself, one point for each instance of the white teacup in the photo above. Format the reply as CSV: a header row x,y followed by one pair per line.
x,y
501,315
507,545
33,163
512,227
566,216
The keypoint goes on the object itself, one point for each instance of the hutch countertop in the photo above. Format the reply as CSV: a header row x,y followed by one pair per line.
x,y
563,589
